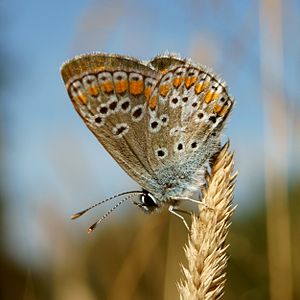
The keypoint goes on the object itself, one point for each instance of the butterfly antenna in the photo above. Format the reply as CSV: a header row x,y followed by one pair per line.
x,y
79,214
92,227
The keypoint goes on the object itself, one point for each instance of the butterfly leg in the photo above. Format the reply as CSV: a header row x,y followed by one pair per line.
x,y
183,211
175,211
192,200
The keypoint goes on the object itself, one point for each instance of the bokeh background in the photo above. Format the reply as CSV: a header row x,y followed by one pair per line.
x,y
52,166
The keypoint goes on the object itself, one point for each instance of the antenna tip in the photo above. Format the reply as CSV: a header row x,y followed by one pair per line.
x,y
79,214
91,228
75,216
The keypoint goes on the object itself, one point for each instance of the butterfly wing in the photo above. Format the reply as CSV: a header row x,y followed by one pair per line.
x,y
164,62
161,122
187,111
109,92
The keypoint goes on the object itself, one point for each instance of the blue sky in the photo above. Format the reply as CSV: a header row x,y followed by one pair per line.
x,y
50,158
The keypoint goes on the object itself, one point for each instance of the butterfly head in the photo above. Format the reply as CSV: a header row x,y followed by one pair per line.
x,y
147,202
150,203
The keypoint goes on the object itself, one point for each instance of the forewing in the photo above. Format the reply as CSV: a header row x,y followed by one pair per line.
x,y
109,92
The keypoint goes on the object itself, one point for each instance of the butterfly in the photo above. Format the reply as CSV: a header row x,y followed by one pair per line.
x,y
160,120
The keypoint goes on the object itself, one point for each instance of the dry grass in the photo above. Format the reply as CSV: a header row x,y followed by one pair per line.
x,y
204,277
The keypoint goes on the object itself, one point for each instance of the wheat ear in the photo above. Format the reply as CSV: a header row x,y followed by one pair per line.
x,y
205,276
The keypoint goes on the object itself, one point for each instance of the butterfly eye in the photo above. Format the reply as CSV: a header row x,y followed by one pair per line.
x,y
148,200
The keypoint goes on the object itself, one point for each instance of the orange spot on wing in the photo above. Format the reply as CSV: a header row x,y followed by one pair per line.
x,y
208,96
107,87
81,98
201,86
121,86
136,87
93,90
217,108
215,96
164,89
189,81
225,110
177,81
152,102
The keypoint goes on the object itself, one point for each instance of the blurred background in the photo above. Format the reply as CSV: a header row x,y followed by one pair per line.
x,y
52,166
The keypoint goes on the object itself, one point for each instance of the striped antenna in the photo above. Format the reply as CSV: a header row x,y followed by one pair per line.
x,y
133,193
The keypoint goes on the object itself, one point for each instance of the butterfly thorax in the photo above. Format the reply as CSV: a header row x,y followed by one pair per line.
x,y
176,180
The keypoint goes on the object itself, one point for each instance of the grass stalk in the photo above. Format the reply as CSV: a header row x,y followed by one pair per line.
x,y
204,277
